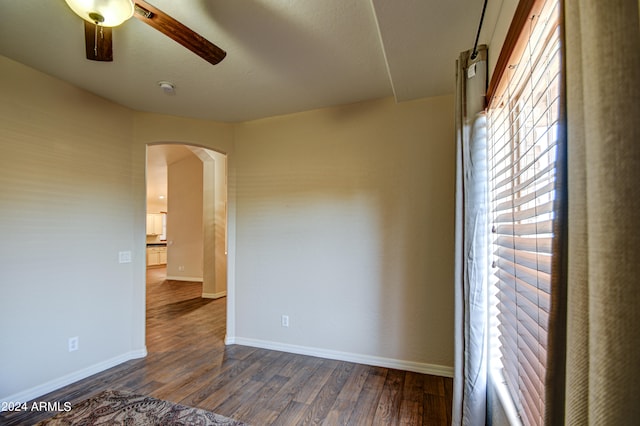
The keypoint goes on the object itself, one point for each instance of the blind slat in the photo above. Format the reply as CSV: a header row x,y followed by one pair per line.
x,y
512,288
526,322
525,214
511,157
539,279
519,201
531,367
521,229
540,175
524,137
539,244
533,260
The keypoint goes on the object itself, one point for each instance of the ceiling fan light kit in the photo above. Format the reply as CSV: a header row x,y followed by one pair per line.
x,y
106,13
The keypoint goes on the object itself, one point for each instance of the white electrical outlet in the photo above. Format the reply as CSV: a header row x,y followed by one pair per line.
x,y
124,257
285,320
181,268
74,343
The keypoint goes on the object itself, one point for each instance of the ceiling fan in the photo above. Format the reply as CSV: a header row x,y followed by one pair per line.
x,y
101,15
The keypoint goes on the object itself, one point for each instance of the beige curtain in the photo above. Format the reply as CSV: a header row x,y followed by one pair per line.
x,y
603,113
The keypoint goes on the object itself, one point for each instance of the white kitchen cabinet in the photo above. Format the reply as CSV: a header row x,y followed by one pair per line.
x,y
155,224
156,255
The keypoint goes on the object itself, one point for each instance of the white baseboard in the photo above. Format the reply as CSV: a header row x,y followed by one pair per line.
x,y
229,340
181,278
70,378
214,295
416,367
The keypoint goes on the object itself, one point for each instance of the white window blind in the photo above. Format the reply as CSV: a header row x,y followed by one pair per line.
x,y
524,138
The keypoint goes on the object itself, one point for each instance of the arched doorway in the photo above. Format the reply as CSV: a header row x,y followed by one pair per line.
x,y
183,179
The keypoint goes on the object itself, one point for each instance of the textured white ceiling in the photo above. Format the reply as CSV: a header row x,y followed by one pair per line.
x,y
283,56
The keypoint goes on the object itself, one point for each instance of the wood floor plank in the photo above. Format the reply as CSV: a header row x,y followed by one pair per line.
x,y
292,414
367,404
251,411
340,413
388,410
242,385
295,384
315,382
410,413
234,371
411,409
434,409
326,397
342,408
189,363
434,385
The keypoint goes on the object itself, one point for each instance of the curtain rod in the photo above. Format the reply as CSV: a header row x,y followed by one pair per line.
x,y
474,54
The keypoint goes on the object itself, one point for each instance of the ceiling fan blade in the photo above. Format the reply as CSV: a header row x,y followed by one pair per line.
x,y
98,42
178,32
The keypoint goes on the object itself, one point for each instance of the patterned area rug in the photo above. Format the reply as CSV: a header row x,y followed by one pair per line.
x,y
125,408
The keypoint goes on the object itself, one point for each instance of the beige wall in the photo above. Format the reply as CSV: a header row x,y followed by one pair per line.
x,y
220,224
184,220
345,224
341,218
215,223
67,208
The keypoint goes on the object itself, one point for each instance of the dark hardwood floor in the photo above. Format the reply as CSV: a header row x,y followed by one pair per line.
x,y
188,363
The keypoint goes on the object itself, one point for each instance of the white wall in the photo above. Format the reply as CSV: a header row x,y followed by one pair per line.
x,y
67,199
345,224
